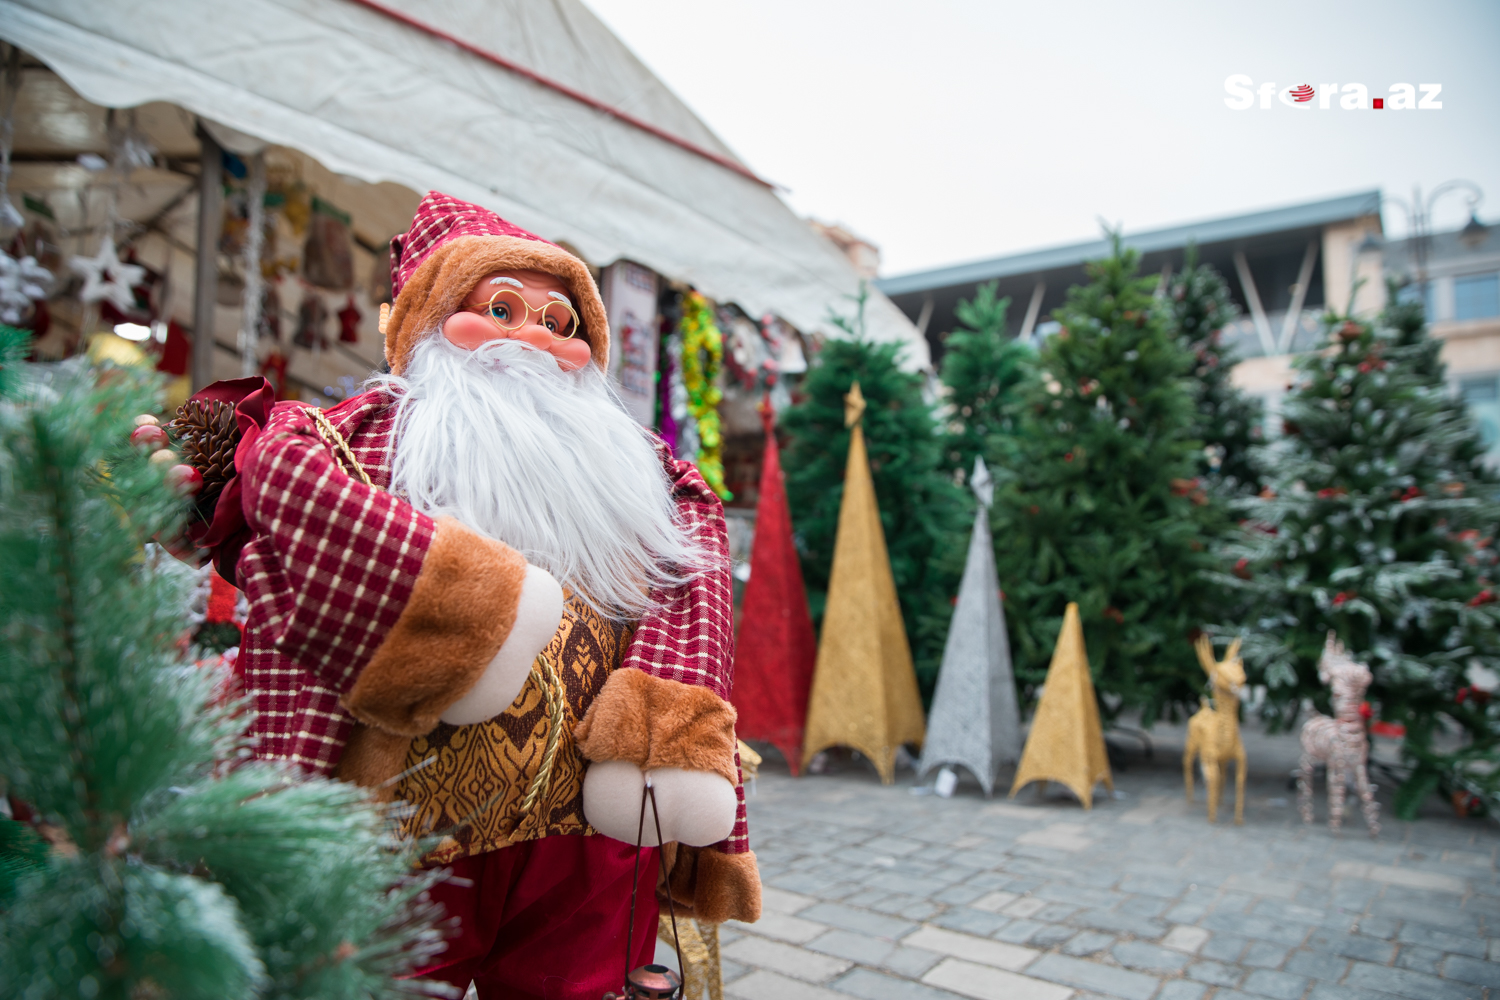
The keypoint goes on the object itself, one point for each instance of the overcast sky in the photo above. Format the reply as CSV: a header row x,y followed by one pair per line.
x,y
949,130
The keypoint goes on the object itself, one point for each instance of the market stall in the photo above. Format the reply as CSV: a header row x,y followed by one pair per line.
x,y
326,121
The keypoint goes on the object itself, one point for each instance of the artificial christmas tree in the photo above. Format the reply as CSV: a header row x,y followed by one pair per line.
x,y
1228,421
864,692
172,867
1102,501
1066,744
1379,526
923,513
974,721
983,371
775,650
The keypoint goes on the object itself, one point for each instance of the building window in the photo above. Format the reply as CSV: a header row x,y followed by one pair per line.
x,y
1482,397
1476,297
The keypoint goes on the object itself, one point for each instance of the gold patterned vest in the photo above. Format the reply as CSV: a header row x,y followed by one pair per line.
x,y
467,785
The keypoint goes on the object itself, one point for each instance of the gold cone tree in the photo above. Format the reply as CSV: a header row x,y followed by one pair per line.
x,y
864,691
1066,743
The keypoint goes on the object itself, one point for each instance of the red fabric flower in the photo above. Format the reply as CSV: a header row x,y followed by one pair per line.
x,y
1485,596
1329,492
1344,596
1242,569
1365,711
1390,730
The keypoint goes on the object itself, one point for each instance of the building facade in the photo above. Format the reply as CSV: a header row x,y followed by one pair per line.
x,y
1285,268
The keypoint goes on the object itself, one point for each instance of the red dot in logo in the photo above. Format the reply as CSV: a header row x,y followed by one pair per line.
x,y
1302,94
1379,103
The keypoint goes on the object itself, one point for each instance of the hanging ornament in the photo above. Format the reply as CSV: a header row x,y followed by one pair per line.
x,y
129,149
22,282
311,316
253,298
349,318
274,369
106,278
270,313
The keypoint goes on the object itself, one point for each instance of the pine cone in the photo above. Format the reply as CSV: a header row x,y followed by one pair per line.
x,y
207,434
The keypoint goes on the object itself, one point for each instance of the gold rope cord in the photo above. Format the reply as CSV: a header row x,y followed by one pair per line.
x,y
703,979
330,434
556,723
710,935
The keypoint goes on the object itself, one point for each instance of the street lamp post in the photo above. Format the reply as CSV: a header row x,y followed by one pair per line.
x,y
1419,219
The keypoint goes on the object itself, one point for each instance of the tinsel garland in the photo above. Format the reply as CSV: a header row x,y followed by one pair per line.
x,y
702,357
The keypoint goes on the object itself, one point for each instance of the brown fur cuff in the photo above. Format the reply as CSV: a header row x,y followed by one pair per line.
x,y
710,885
372,757
654,723
461,610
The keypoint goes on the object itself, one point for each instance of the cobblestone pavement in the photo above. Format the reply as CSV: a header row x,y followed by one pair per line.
x,y
879,894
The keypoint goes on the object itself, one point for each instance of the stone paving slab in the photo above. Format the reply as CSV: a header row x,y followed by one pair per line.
x,y
872,892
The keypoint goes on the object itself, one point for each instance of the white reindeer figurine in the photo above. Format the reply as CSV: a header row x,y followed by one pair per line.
x,y
1339,742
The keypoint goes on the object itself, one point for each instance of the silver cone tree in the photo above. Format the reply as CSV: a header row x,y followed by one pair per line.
x,y
974,721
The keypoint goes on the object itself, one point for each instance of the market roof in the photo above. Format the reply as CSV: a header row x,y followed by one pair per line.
x,y
376,98
1304,216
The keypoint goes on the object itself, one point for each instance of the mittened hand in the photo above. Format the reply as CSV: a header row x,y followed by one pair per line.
x,y
697,808
539,611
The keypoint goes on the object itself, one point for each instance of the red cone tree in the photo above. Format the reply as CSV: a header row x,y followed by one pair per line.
x,y
775,650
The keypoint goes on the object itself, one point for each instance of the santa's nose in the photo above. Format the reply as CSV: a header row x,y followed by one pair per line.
x,y
534,334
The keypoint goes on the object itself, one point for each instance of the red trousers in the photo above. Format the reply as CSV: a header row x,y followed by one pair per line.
x,y
547,919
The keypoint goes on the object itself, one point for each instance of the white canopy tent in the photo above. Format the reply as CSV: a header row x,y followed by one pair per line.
x,y
378,99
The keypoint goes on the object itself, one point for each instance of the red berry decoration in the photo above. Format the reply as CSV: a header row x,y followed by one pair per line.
x,y
149,436
185,479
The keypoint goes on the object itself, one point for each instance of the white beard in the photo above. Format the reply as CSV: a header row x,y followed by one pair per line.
x,y
543,460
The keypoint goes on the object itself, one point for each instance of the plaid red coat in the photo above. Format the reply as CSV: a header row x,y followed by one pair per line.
x,y
331,564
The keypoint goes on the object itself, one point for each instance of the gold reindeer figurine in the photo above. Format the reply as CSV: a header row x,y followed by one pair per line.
x,y
1214,730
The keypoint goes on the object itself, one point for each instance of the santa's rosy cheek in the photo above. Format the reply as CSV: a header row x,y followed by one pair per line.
x,y
570,354
469,330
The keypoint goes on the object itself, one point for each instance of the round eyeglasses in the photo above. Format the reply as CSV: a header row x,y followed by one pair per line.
x,y
508,310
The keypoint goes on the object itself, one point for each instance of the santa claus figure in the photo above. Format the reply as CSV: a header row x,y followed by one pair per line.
x,y
480,588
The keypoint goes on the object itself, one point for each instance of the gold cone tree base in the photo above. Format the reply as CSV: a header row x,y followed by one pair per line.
x,y
1066,743
864,690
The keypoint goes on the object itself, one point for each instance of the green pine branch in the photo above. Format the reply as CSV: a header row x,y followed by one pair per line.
x,y
171,868
984,373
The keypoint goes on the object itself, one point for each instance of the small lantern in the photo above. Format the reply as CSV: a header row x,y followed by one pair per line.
x,y
650,982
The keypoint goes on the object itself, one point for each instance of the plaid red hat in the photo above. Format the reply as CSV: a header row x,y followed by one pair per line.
x,y
451,245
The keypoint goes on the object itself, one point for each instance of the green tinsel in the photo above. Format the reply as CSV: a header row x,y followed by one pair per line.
x,y
702,358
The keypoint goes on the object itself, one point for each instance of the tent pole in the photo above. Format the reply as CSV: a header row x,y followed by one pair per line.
x,y
206,270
